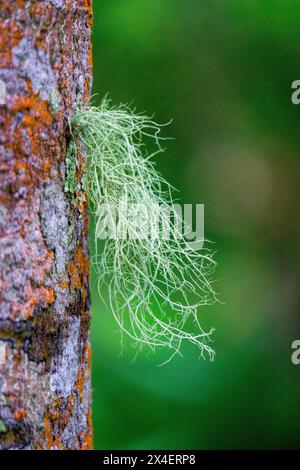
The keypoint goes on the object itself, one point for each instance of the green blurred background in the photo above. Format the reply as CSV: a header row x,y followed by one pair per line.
x,y
223,71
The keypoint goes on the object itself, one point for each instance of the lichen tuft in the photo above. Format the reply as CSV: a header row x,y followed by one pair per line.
x,y
150,280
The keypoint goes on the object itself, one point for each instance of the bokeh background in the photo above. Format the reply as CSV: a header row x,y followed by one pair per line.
x,y
223,71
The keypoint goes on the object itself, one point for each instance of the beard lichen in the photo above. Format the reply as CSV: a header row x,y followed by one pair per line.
x,y
149,281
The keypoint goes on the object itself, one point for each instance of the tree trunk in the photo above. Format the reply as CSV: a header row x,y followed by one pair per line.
x,y
45,69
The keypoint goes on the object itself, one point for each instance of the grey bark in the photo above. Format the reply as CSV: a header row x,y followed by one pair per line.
x,y
45,69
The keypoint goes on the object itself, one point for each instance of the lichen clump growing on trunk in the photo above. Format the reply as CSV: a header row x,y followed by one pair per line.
x,y
149,279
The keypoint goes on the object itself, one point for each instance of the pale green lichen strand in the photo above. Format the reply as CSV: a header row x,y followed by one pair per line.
x,y
150,281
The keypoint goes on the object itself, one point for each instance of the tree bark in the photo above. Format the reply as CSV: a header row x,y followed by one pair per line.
x,y
45,69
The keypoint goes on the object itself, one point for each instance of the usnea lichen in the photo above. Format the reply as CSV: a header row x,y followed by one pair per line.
x,y
149,280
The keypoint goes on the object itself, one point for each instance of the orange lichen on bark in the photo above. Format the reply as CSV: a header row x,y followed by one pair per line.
x,y
55,422
88,6
20,414
57,416
64,284
17,3
78,269
45,52
11,34
44,295
50,440
87,438
34,159
81,377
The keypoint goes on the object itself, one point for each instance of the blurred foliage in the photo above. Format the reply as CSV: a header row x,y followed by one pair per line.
x,y
223,72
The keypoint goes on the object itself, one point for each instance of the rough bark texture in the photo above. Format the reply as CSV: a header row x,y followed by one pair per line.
x,y
45,65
